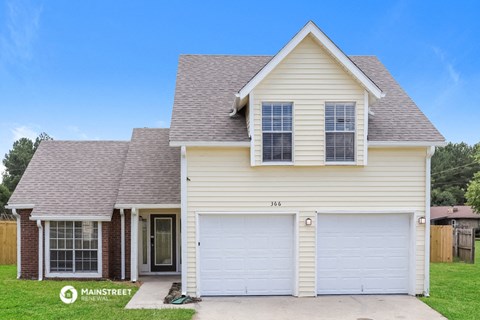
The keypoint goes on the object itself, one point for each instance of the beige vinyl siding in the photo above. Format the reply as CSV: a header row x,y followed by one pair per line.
x,y
308,77
221,179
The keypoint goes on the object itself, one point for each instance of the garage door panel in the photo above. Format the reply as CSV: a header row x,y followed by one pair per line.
x,y
254,254
363,254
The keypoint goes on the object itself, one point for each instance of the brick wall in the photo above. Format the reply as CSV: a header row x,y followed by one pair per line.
x,y
115,245
29,245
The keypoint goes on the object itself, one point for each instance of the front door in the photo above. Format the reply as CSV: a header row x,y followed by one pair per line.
x,y
163,243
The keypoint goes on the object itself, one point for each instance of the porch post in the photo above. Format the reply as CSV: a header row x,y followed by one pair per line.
x,y
40,250
122,243
134,246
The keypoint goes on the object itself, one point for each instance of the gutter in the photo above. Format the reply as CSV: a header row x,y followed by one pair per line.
x,y
235,105
428,161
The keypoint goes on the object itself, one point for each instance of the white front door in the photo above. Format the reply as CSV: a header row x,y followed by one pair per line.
x,y
363,253
246,254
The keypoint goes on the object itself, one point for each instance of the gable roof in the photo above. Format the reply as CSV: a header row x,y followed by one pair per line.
x,y
74,178
85,179
152,170
328,45
207,84
456,212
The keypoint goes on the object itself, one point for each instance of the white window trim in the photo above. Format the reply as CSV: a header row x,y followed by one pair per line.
x,y
49,274
277,163
341,163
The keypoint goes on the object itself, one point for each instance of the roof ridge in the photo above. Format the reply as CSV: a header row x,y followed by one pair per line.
x,y
225,55
83,141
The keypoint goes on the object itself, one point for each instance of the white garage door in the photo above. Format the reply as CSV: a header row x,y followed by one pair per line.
x,y
363,254
246,254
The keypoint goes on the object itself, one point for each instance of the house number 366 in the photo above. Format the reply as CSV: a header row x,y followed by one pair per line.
x,y
275,204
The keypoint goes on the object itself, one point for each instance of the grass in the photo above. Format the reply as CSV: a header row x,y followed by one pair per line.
x,y
29,299
455,288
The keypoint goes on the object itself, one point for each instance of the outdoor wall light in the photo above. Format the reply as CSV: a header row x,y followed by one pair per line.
x,y
422,220
308,222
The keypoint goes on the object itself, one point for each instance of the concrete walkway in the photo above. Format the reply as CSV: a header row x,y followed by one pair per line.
x,y
387,307
152,292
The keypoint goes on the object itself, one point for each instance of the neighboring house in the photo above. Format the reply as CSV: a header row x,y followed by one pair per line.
x,y
300,174
457,216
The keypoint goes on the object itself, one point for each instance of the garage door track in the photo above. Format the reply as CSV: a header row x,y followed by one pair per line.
x,y
365,307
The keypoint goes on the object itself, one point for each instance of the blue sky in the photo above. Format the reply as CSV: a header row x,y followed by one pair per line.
x,y
96,69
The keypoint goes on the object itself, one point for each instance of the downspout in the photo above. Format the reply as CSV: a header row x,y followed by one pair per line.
x,y
19,243
428,161
133,245
183,216
40,250
122,242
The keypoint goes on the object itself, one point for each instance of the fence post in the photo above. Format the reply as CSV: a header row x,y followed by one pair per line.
x,y
455,232
472,246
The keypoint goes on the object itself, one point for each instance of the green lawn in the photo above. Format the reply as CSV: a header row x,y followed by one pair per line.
x,y
29,299
455,288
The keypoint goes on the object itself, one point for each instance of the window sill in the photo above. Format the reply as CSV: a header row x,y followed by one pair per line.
x,y
340,163
277,163
73,275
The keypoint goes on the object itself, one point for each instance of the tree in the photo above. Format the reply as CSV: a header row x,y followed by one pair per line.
x,y
16,161
443,198
18,158
4,196
453,166
41,137
473,190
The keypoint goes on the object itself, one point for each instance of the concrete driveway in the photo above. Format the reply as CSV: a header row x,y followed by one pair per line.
x,y
364,307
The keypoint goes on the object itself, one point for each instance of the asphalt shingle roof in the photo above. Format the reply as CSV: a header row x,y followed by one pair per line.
x,y
204,97
152,170
83,178
72,178
457,212
206,85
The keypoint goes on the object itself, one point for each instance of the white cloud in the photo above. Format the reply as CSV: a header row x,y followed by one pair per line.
x,y
78,133
22,24
24,132
448,65
2,169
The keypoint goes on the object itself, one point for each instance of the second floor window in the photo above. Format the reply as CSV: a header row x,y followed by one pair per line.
x,y
340,131
277,132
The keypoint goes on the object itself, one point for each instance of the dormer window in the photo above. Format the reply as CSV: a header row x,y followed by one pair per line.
x,y
340,131
277,131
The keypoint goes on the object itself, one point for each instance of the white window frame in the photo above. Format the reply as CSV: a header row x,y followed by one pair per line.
x,y
336,162
277,162
57,274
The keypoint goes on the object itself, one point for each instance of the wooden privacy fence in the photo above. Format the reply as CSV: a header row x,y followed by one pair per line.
x,y
464,244
441,243
8,242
